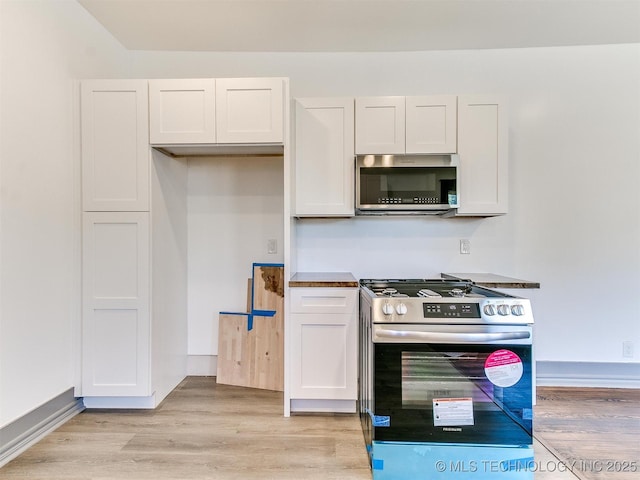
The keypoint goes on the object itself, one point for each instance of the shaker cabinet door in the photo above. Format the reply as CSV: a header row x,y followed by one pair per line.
x,y
431,124
380,125
324,356
115,145
250,110
115,311
483,152
182,111
324,157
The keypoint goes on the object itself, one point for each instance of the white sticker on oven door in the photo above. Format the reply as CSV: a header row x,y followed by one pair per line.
x,y
503,368
448,412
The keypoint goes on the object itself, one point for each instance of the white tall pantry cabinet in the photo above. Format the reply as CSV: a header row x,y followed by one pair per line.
x,y
134,317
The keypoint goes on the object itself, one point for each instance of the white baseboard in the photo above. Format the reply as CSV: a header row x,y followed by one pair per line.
x,y
202,365
587,374
121,402
323,406
29,429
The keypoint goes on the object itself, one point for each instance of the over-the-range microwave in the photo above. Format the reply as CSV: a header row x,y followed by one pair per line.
x,y
406,184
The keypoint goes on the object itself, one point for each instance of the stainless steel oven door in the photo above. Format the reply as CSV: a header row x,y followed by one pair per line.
x,y
458,384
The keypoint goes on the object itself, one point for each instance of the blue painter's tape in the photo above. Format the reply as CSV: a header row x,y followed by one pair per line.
x,y
377,464
259,313
234,313
268,264
527,414
517,465
379,420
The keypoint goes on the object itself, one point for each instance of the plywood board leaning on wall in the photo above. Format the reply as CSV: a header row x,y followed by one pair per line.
x,y
251,344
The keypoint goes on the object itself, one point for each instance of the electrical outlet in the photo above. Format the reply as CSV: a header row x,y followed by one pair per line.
x,y
627,349
465,247
272,246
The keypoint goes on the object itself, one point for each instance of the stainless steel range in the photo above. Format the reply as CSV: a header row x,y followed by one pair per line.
x,y
446,380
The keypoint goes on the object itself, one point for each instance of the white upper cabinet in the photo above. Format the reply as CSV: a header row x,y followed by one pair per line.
x,y
380,125
250,110
324,157
483,151
406,125
216,111
115,145
182,111
431,124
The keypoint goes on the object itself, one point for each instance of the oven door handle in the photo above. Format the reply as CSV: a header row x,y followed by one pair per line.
x,y
441,337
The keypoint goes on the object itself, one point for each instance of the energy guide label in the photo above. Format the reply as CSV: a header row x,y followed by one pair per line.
x,y
503,368
452,411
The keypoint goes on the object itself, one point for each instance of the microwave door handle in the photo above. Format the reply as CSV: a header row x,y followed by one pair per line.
x,y
440,337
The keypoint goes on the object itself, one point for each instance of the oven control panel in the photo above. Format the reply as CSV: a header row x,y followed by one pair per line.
x,y
502,311
451,310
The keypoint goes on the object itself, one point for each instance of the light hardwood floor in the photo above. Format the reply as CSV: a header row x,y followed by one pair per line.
x,y
596,431
208,431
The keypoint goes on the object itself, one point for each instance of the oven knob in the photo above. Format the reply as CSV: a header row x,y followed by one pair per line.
x,y
489,310
387,309
503,310
401,309
517,310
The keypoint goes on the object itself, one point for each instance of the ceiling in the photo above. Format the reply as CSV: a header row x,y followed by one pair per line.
x,y
363,25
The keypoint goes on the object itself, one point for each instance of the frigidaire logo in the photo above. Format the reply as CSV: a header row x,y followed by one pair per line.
x,y
449,429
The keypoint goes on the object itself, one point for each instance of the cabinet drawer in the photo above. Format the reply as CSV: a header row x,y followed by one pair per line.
x,y
324,300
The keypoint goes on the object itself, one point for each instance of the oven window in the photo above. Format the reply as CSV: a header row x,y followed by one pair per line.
x,y
435,375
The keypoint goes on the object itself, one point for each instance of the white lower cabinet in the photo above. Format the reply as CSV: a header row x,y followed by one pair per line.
x,y
324,349
116,287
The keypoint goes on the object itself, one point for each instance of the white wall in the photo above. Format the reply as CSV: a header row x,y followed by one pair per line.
x,y
44,46
235,205
574,224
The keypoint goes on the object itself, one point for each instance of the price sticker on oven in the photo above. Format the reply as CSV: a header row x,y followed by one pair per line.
x,y
503,368
448,412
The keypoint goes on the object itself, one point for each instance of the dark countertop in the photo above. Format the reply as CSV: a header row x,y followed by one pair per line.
x,y
491,280
323,279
